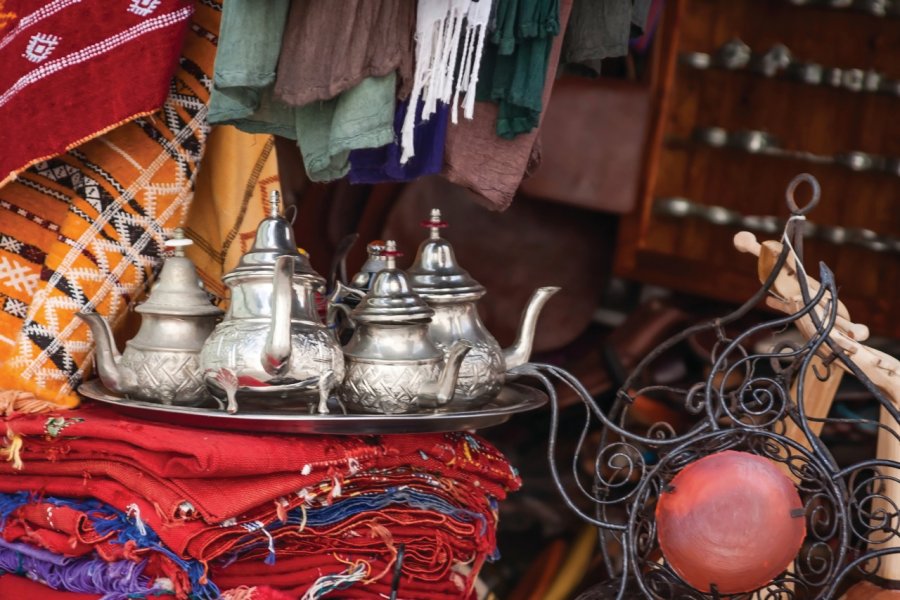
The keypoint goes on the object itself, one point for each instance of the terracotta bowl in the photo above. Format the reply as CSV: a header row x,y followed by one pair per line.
x,y
732,520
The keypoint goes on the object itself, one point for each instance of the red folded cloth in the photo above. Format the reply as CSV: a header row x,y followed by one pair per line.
x,y
171,465
219,496
15,587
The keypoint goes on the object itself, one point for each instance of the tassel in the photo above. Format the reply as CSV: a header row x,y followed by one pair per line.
x,y
260,526
13,451
13,401
439,30
135,511
330,583
240,593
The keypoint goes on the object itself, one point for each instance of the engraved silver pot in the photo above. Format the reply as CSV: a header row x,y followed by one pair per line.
x,y
453,294
392,364
272,341
161,363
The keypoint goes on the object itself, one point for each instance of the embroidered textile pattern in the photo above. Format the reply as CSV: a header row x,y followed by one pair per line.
x,y
6,16
95,218
238,173
106,63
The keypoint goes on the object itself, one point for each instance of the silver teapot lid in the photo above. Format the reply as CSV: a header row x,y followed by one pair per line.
x,y
375,262
274,238
390,299
177,290
435,274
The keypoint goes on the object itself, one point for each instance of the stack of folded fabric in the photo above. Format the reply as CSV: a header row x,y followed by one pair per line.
x,y
95,503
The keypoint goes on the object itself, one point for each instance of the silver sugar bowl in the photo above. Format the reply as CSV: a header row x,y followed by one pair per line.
x,y
392,365
162,362
453,294
272,343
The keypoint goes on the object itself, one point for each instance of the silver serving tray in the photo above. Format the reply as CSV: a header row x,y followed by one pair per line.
x,y
512,399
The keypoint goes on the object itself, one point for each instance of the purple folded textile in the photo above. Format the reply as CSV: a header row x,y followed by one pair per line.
x,y
379,165
120,580
35,552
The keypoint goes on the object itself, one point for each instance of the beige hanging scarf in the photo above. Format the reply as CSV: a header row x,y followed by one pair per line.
x,y
439,28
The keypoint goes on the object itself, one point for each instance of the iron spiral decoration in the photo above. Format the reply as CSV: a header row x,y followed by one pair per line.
x,y
743,404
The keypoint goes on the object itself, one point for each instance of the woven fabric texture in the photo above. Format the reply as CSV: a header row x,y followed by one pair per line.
x,y
84,230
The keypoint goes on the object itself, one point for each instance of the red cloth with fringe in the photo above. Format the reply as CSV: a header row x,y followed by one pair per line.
x,y
15,586
71,70
206,494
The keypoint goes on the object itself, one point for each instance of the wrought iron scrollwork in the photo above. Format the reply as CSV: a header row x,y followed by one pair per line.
x,y
744,404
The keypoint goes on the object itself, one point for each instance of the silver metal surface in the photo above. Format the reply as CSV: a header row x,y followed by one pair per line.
x,y
391,298
762,142
772,62
696,60
681,208
809,73
161,363
716,137
512,399
734,54
779,61
753,141
272,334
449,289
392,364
876,8
375,262
435,274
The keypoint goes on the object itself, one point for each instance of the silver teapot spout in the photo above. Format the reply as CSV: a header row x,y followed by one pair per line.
x,y
161,363
107,357
520,352
442,389
277,350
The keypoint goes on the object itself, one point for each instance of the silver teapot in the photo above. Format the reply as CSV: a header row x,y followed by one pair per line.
x,y
344,298
453,294
272,343
392,365
376,261
161,363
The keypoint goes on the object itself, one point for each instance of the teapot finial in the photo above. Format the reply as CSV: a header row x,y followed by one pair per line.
x,y
391,253
274,204
435,223
178,242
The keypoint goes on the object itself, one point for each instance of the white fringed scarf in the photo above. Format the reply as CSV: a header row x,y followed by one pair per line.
x,y
439,28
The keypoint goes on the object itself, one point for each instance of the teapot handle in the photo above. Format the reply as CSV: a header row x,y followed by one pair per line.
x,y
334,309
336,305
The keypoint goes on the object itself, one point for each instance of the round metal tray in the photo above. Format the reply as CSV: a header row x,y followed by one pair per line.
x,y
513,399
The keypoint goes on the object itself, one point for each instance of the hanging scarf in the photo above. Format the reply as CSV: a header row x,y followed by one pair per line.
x,y
439,29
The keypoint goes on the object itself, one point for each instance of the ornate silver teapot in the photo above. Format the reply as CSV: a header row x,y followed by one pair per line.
x,y
453,294
272,342
161,363
376,261
392,365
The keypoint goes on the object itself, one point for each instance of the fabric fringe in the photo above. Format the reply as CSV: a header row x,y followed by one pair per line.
x,y
13,451
326,584
254,593
13,401
439,29
240,593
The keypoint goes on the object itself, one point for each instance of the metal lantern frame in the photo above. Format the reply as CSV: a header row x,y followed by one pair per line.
x,y
845,508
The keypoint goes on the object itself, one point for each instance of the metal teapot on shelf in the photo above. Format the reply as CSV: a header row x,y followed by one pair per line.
x,y
161,363
453,294
392,365
272,343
